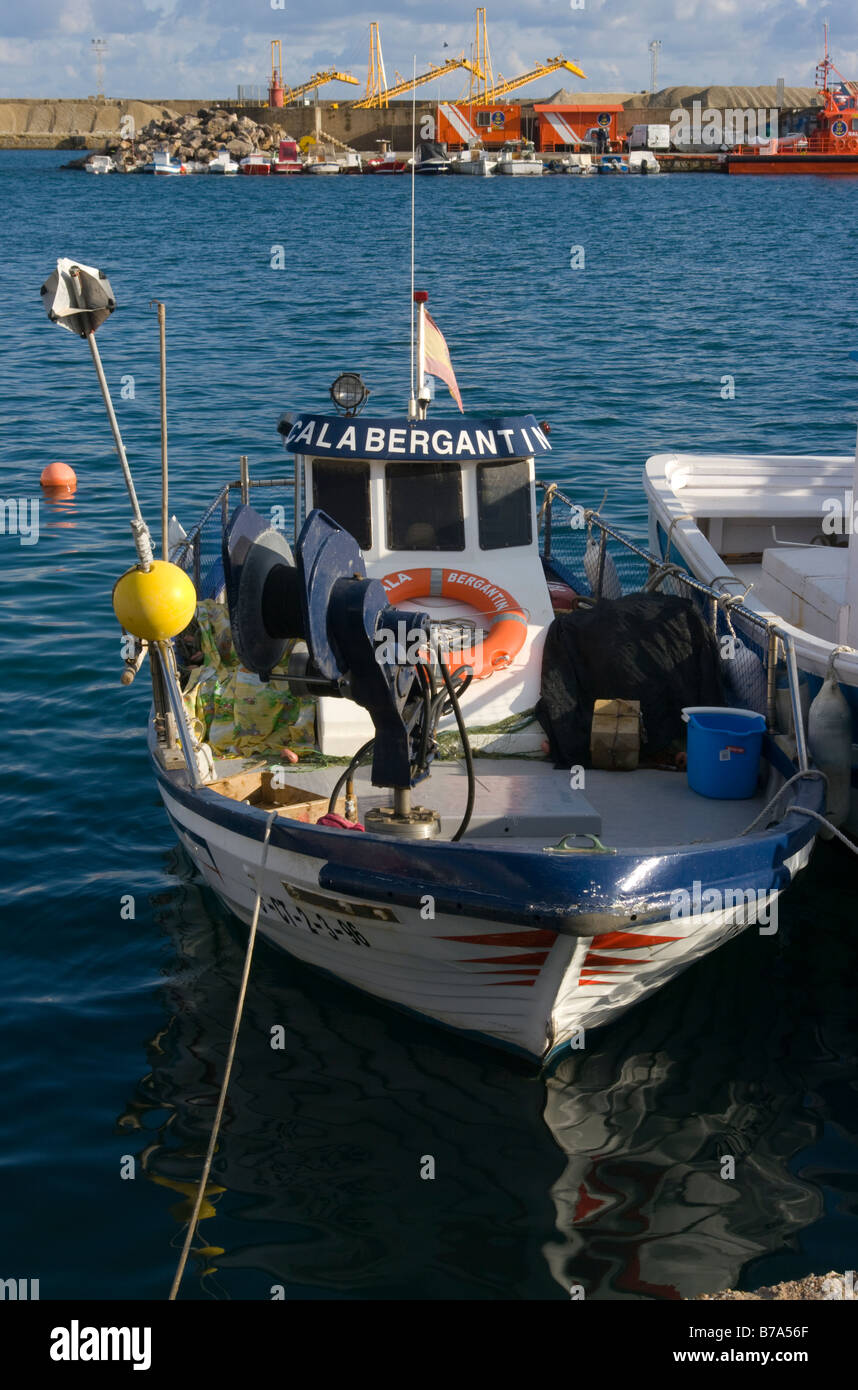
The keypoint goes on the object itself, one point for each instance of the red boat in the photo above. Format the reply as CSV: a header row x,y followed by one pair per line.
x,y
829,147
385,164
288,159
255,163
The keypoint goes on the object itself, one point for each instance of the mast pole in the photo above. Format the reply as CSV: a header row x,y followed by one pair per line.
x,y
412,400
420,297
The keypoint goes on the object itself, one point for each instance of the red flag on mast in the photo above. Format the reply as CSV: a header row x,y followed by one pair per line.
x,y
437,357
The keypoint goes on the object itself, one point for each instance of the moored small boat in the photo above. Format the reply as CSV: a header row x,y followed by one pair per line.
x,y
519,159
537,891
99,164
223,164
163,165
288,159
255,164
477,163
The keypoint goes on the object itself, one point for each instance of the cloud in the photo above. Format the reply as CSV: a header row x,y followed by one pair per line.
x,y
203,48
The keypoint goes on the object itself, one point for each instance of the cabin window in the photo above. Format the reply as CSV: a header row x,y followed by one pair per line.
x,y
503,504
424,506
341,488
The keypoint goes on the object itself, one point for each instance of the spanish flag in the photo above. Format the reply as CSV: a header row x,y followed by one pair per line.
x,y
437,357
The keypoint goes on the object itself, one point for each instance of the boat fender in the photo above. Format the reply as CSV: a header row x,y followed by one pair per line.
x,y
611,586
829,739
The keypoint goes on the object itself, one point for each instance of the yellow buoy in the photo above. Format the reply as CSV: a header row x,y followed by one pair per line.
x,y
155,604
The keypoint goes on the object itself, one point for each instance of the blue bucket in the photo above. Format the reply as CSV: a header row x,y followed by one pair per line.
x,y
724,747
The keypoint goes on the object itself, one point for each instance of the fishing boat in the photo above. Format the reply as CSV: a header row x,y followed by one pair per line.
x,y
99,164
827,142
386,163
441,624
778,533
223,164
519,158
163,165
350,162
288,159
255,164
475,162
321,165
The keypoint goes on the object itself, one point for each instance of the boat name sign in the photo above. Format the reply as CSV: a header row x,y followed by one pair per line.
x,y
514,436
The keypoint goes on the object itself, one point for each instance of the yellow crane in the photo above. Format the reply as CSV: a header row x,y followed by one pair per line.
x,y
501,88
382,96
318,80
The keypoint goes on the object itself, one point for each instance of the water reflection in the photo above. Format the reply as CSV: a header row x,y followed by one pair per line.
x,y
607,1176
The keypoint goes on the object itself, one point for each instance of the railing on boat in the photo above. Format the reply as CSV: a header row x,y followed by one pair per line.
x,y
587,553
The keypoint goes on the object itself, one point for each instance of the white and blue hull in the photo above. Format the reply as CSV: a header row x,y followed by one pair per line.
x,y
513,947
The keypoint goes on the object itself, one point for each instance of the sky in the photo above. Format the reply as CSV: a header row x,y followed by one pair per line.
x,y
205,48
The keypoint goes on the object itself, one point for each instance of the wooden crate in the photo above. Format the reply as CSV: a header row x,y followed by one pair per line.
x,y
615,735
296,803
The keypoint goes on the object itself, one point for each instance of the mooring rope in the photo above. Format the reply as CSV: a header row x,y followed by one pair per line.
x,y
803,810
236,1025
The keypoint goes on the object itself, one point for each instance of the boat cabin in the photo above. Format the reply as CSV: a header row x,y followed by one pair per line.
x,y
447,504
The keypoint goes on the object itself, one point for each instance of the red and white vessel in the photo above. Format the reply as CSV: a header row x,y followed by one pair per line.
x,y
254,163
288,159
829,147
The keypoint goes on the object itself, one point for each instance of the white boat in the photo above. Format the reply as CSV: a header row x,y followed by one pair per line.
x,y
99,164
162,164
643,162
324,162
432,158
350,162
223,164
778,532
476,163
519,161
525,899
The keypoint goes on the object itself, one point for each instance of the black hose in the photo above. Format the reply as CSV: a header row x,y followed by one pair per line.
x,y
349,772
466,745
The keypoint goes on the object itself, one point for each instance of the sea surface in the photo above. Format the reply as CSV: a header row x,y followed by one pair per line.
x,y
115,1027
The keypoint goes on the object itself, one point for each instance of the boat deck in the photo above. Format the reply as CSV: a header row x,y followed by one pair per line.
x,y
530,802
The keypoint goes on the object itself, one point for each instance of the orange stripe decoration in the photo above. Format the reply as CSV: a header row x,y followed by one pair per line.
x,y
496,984
531,936
628,940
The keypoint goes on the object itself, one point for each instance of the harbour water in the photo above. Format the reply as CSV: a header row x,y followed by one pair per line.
x,y
704,314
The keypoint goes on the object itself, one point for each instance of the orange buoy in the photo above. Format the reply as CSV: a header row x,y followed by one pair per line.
x,y
59,476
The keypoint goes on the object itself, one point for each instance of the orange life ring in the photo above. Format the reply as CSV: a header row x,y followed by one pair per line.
x,y
508,631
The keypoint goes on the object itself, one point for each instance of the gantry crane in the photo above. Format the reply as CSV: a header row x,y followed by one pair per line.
x,y
318,80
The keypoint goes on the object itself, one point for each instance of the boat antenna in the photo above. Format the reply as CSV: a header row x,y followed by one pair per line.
x,y
412,402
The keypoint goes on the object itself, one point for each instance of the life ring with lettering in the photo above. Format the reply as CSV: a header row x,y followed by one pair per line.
x,y
508,630
851,143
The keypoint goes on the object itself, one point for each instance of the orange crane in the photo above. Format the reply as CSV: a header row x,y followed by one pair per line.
x,y
501,88
318,80
485,90
377,91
